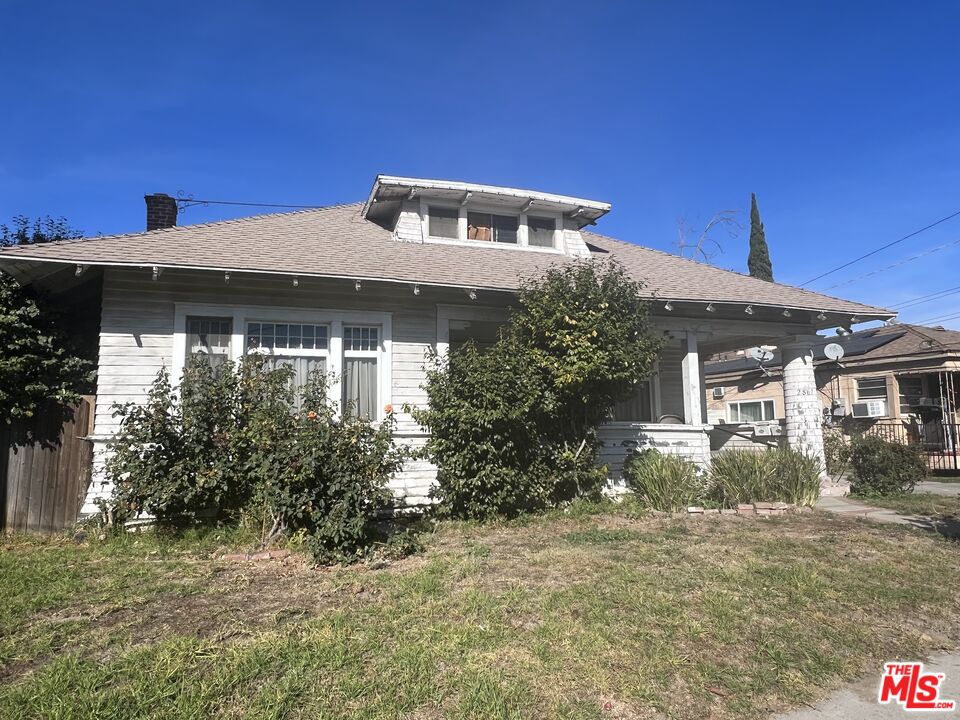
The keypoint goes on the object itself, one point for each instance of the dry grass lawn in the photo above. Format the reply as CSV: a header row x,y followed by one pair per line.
x,y
585,615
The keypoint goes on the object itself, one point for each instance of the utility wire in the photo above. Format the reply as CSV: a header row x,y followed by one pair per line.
x,y
881,248
195,201
895,265
923,299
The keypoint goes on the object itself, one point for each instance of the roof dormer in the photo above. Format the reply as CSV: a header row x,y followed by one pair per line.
x,y
441,211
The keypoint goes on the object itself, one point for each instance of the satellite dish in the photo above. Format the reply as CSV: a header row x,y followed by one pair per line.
x,y
760,355
833,351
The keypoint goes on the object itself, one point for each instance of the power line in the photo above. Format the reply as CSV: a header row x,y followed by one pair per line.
x,y
882,248
189,201
895,265
939,318
923,299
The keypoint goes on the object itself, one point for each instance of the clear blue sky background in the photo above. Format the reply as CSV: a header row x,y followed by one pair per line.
x,y
844,117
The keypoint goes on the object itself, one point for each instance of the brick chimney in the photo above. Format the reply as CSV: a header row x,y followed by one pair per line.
x,y
161,211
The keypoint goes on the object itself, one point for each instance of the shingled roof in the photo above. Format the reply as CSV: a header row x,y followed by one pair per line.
x,y
898,342
337,242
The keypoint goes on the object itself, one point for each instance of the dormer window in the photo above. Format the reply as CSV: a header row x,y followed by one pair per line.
x,y
444,222
418,210
541,231
487,226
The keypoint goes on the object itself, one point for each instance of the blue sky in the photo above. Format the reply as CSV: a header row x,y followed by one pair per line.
x,y
844,118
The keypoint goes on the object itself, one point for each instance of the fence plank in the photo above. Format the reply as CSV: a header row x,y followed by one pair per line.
x,y
45,470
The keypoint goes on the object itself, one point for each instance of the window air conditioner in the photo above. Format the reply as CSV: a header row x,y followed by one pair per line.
x,y
870,409
719,392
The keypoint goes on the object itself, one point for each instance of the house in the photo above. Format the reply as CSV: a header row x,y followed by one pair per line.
x,y
899,381
365,290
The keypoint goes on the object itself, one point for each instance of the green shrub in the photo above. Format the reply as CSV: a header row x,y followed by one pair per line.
x,y
513,429
836,449
744,476
664,482
885,468
180,457
797,476
233,447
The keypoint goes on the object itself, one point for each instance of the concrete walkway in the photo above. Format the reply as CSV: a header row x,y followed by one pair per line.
x,y
857,508
858,701
937,488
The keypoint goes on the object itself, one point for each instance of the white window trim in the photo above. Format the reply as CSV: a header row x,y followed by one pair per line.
x,y
462,210
731,403
334,319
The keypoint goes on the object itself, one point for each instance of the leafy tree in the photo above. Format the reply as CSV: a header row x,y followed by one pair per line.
x,y
38,368
513,429
758,261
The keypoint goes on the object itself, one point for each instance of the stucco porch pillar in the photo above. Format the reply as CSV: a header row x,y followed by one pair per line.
x,y
800,400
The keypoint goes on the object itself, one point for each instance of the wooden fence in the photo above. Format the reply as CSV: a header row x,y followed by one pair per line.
x,y
45,466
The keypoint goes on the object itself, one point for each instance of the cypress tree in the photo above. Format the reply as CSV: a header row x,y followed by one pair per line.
x,y
759,259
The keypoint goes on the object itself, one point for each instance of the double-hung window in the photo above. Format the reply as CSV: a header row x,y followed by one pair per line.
x,y
487,226
303,347
748,411
361,354
209,338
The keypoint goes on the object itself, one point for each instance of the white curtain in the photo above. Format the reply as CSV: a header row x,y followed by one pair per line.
x,y
302,367
360,386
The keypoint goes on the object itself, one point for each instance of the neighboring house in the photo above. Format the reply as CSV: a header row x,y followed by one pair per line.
x,y
366,290
899,381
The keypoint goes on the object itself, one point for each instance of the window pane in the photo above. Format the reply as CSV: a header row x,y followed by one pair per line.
x,y
479,226
302,367
209,337
874,388
911,390
443,222
505,228
769,412
637,408
750,412
360,387
361,338
734,413
540,232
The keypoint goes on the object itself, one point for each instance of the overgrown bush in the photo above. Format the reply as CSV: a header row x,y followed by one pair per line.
x,y
885,468
664,482
513,429
748,476
232,446
836,449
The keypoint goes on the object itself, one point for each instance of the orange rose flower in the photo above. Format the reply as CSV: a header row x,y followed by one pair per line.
x,y
388,408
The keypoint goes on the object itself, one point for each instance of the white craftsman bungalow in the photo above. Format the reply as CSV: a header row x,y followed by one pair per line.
x,y
365,290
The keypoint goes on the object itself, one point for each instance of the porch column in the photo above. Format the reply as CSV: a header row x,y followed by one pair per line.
x,y
801,404
692,389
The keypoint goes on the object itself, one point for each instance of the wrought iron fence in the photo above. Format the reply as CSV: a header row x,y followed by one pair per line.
x,y
939,441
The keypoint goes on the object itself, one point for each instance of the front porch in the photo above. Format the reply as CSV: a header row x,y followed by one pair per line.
x,y
677,422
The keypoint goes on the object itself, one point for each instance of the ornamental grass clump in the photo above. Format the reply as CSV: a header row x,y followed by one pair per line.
x,y
743,476
664,482
750,476
798,476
